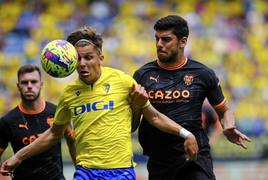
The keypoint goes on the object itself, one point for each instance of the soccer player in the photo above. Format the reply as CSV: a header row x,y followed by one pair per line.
x,y
26,122
177,86
101,104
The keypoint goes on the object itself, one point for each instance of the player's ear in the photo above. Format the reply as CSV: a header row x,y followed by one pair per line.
x,y
101,59
183,42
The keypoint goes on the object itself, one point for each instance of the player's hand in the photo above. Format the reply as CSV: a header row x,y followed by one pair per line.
x,y
6,173
236,137
11,164
139,97
191,147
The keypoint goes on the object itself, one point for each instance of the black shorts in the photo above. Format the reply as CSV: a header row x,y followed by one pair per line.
x,y
180,169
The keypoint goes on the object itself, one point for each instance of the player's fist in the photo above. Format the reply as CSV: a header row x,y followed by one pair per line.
x,y
139,97
11,164
191,147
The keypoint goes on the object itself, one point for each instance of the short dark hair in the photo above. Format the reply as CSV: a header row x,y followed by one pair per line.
x,y
177,24
86,33
28,68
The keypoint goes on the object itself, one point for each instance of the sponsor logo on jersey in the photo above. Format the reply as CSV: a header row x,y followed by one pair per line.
x,y
29,139
25,125
188,79
154,78
95,106
169,94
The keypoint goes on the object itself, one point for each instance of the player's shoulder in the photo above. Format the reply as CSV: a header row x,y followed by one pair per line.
x,y
194,64
50,105
148,66
114,74
197,64
108,71
12,114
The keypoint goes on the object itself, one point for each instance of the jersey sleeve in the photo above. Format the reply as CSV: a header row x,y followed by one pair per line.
x,y
4,138
137,76
130,82
215,95
63,114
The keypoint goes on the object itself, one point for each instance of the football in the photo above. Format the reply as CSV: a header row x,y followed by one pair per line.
x,y
59,58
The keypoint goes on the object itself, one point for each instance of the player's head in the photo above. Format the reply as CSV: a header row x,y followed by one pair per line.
x,y
88,45
171,33
29,82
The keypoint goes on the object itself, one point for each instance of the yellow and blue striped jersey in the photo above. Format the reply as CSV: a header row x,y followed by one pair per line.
x,y
101,115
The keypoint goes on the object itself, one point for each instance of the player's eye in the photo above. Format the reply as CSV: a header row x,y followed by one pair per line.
x,y
34,81
166,39
24,82
88,57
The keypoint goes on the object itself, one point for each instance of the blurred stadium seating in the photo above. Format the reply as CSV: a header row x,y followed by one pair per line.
x,y
228,36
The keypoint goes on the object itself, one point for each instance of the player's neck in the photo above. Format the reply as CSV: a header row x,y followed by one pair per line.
x,y
180,62
32,105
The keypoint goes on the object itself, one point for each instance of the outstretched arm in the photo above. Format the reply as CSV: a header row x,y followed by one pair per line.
x,y
229,129
41,144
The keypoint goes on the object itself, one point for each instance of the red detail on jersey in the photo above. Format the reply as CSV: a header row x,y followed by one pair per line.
x,y
39,110
29,139
50,120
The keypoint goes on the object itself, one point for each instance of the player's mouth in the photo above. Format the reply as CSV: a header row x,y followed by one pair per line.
x,y
161,52
84,73
29,93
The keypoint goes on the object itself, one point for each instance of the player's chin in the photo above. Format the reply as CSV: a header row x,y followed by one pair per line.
x,y
89,79
29,97
163,59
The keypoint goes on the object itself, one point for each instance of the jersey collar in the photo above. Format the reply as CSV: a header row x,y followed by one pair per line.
x,y
179,66
39,110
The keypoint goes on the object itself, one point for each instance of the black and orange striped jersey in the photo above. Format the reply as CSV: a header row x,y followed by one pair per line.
x,y
179,93
20,127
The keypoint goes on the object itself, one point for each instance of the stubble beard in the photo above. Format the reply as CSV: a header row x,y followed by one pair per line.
x,y
26,99
168,59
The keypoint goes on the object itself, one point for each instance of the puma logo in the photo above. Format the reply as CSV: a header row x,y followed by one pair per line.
x,y
154,79
24,126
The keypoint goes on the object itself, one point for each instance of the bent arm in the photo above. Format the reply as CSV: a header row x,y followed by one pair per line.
x,y
229,129
226,117
41,144
161,121
47,139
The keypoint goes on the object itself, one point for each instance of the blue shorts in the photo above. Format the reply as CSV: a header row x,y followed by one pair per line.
x,y
82,173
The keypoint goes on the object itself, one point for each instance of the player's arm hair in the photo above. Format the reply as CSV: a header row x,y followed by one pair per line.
x,y
47,139
161,121
226,116
70,139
